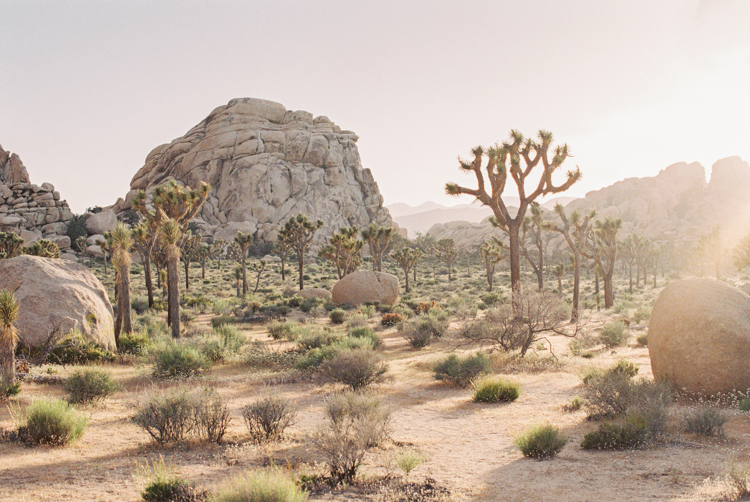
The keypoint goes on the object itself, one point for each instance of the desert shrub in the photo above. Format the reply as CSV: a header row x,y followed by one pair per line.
x,y
424,307
639,426
139,305
167,416
186,318
89,385
613,334
576,347
74,348
541,442
315,339
267,485
135,343
51,421
268,418
493,389
221,306
221,320
309,304
391,319
226,341
408,460
315,357
368,334
150,324
260,357
356,368
705,421
161,483
420,330
8,389
211,415
178,360
492,298
358,320
642,313
642,339
280,329
356,423
461,370
744,404
337,316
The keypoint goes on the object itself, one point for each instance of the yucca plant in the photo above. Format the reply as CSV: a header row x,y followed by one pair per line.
x,y
8,335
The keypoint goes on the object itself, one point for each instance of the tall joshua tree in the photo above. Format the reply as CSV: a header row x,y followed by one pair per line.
x,y
491,253
576,231
533,226
378,240
175,204
516,158
282,249
170,233
8,335
298,233
446,252
343,250
144,239
407,258
121,243
601,247
189,246
242,244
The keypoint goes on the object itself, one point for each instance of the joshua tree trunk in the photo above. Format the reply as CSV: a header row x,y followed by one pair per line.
x,y
576,285
515,264
283,272
301,264
609,291
187,275
8,357
149,284
173,279
123,320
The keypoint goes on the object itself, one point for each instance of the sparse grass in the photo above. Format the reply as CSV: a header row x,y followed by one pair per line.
x,y
705,421
265,485
491,389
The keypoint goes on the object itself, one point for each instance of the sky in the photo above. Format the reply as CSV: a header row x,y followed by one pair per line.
x,y
89,88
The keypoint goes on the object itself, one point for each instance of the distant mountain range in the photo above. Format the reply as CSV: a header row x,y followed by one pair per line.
x,y
422,217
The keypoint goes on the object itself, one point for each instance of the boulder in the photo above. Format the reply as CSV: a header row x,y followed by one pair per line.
x,y
366,286
60,295
320,293
699,337
98,223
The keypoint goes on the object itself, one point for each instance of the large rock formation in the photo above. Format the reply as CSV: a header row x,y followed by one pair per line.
x,y
699,337
366,286
30,210
57,296
266,164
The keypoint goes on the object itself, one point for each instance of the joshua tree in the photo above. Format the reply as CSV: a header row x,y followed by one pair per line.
x,y
446,252
80,245
10,245
174,203
189,247
378,240
516,158
203,254
491,253
576,231
343,250
601,247
533,226
121,240
217,251
144,239
238,278
559,272
282,249
627,256
258,268
407,258
242,242
298,233
170,234
8,335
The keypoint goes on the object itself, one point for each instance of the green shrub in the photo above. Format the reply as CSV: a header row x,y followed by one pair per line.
x,y
267,485
356,368
8,389
75,349
150,324
705,421
358,320
226,341
745,404
391,319
221,320
337,316
267,419
642,339
89,385
408,460
367,334
420,330
613,334
642,313
492,298
492,390
281,329
260,357
51,421
462,370
541,442
136,343
632,433
167,416
162,484
178,360
308,304
315,339
356,422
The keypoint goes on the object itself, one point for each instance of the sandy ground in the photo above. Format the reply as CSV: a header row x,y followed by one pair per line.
x,y
469,447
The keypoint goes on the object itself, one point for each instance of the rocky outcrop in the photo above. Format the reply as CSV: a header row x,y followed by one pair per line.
x,y
266,164
699,337
318,293
366,286
98,223
57,296
32,211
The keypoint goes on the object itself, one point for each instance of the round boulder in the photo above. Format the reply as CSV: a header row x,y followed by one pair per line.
x,y
699,337
319,293
366,286
57,296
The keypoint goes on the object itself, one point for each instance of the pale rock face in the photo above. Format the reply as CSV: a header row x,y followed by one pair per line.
x,y
98,223
319,293
265,165
699,337
57,294
366,286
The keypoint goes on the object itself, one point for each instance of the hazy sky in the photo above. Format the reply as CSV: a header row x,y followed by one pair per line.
x,y
89,88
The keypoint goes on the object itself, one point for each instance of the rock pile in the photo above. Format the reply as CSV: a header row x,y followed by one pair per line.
x,y
30,210
266,164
